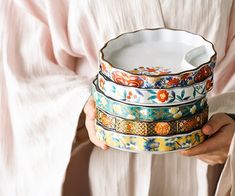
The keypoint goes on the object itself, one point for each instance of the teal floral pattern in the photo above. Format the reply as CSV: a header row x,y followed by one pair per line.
x,y
145,113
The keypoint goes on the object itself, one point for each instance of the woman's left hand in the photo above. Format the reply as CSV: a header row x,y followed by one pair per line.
x,y
220,129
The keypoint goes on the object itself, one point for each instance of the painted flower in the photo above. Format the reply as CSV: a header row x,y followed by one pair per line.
x,y
183,83
178,115
106,121
174,110
151,145
193,109
130,95
206,71
209,84
159,83
162,128
144,112
126,79
185,76
117,109
203,73
173,82
150,69
129,126
101,83
162,95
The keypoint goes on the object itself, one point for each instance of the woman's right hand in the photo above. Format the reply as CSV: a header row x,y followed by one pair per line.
x,y
89,111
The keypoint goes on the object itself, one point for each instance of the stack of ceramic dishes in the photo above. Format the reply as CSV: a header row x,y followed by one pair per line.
x,y
151,90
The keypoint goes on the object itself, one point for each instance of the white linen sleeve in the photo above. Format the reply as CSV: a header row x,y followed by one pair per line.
x,y
41,98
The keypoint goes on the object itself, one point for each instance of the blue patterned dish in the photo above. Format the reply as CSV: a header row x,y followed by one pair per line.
x,y
156,97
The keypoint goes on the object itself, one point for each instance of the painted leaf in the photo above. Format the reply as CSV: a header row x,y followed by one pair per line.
x,y
197,137
203,91
124,93
113,89
186,98
171,100
173,93
194,92
169,144
152,92
152,97
182,93
179,97
139,92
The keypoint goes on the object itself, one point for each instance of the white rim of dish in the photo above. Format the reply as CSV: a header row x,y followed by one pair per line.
x,y
186,59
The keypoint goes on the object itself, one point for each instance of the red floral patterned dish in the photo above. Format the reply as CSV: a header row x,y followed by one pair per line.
x,y
157,58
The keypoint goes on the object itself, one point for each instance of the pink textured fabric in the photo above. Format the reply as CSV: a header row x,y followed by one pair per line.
x,y
49,57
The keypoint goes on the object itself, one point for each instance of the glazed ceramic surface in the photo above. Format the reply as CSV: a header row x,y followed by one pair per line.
x,y
156,97
145,113
157,144
142,128
157,58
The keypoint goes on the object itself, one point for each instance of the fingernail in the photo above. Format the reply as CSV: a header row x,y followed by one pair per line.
x,y
207,129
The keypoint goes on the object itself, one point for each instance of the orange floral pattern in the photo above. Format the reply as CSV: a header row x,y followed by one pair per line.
x,y
105,120
162,95
203,73
126,79
130,95
143,128
173,82
157,77
162,128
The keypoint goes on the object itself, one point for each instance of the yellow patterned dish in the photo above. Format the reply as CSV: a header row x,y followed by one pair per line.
x,y
154,144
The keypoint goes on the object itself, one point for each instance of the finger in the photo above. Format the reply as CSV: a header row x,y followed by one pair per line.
x,y
90,109
90,125
214,158
216,122
216,142
209,161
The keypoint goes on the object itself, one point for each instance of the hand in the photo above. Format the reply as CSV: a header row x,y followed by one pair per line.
x,y
220,129
89,111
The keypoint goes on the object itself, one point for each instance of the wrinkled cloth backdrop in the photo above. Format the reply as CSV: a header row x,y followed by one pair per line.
x,y
48,58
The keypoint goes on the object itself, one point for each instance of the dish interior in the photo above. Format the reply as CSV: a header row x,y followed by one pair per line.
x,y
161,50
